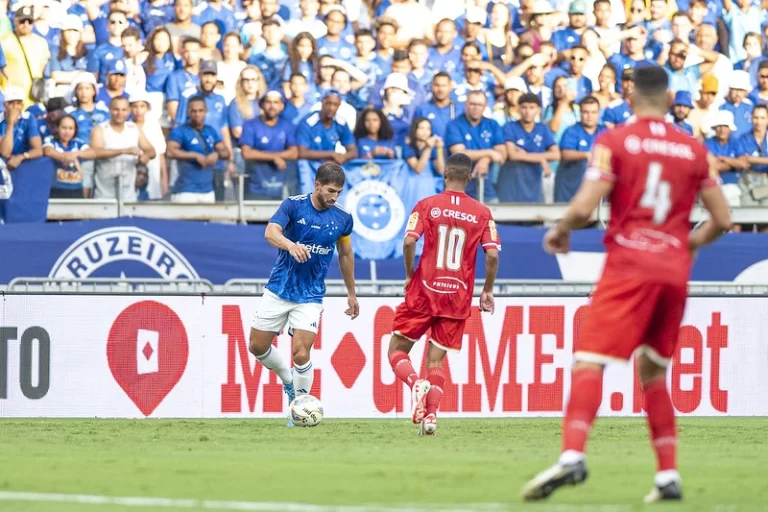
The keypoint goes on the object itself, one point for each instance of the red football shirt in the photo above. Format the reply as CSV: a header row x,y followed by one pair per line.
x,y
657,171
453,225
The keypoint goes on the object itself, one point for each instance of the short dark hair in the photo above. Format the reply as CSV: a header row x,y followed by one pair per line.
x,y
458,167
443,74
330,173
115,99
399,56
650,81
363,32
602,2
193,40
763,65
589,100
194,99
131,32
529,97
760,106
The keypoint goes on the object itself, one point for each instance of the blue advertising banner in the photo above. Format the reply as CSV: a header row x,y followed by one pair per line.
x,y
380,195
140,248
28,201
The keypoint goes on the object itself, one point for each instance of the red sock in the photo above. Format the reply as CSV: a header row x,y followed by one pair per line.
x,y
401,365
436,382
661,422
580,413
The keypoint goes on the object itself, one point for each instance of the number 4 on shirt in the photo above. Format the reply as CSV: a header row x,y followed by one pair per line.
x,y
657,195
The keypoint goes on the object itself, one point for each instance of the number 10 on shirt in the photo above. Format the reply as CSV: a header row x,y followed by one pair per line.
x,y
450,247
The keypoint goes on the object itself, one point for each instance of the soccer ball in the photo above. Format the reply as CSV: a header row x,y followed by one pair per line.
x,y
306,411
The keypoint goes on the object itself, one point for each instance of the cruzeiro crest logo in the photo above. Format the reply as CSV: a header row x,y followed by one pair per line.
x,y
377,210
124,251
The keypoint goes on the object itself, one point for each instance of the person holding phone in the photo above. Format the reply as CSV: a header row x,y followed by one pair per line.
x,y
578,84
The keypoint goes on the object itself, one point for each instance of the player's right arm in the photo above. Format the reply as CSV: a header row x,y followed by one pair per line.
x,y
491,245
716,205
276,238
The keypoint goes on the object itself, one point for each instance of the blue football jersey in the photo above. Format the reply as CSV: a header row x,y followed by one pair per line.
x,y
318,231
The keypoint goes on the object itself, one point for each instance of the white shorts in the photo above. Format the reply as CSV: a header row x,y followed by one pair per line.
x,y
274,313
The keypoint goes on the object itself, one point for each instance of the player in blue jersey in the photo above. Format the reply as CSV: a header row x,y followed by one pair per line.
x,y
305,229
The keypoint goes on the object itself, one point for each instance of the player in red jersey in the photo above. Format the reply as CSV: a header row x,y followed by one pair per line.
x,y
652,173
438,294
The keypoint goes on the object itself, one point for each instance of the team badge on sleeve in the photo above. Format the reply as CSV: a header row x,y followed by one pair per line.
x,y
412,221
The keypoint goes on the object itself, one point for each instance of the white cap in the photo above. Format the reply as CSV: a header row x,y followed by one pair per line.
x,y
72,22
140,96
724,118
542,7
740,80
476,15
12,93
396,81
515,83
84,77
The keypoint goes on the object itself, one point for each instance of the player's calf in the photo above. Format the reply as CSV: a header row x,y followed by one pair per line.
x,y
261,346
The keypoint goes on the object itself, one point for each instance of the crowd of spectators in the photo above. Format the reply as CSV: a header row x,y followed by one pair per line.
x,y
161,100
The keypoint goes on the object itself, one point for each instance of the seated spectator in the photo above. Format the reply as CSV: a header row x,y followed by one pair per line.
x,y
156,186
158,66
297,106
112,49
22,46
440,109
754,146
197,147
321,136
481,140
118,145
209,41
115,84
249,89
231,66
530,147
183,27
681,107
575,148
135,78
619,111
737,102
374,135
18,129
729,161
425,152
268,144
274,58
303,59
66,150
69,58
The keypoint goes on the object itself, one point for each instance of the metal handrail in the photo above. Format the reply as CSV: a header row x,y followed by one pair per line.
x,y
110,285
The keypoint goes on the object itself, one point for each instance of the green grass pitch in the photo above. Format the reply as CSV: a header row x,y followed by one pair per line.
x,y
470,465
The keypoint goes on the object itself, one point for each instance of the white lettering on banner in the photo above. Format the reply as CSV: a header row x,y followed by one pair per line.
x,y
515,363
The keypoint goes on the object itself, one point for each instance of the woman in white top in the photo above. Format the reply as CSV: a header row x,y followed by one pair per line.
x,y
157,170
231,66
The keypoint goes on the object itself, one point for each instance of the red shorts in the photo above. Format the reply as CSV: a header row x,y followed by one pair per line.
x,y
626,314
447,333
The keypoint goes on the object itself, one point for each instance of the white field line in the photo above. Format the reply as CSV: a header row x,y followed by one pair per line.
x,y
194,504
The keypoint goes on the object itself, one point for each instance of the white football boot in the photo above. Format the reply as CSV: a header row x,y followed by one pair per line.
x,y
419,400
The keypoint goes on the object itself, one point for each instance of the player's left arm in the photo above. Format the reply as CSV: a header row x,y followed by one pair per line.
x,y
347,268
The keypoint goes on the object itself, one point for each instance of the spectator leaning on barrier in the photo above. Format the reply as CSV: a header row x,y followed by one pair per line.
x,y
530,147
374,135
66,150
728,160
118,144
754,146
197,147
481,139
424,148
575,148
20,134
321,136
268,144
26,54
156,186
507,110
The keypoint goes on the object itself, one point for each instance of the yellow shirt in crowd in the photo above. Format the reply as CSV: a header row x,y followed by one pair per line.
x,y
15,72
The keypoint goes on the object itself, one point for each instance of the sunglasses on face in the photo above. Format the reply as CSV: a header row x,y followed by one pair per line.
x,y
578,59
680,55
25,21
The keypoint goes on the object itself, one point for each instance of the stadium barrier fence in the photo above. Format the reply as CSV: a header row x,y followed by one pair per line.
x,y
185,356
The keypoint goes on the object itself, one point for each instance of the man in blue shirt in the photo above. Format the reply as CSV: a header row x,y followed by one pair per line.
x,y
217,11
110,50
115,84
274,58
575,147
576,79
737,102
681,107
480,138
305,229
729,160
619,111
441,109
445,56
197,147
333,43
268,145
568,37
185,78
18,129
632,55
686,78
530,148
